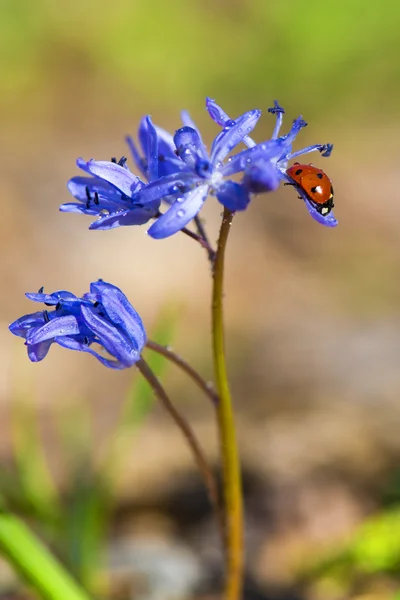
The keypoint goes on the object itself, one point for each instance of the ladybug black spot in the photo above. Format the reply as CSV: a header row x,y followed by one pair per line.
x,y
299,171
320,175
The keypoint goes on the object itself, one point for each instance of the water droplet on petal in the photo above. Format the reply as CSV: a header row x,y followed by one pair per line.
x,y
180,199
180,213
104,212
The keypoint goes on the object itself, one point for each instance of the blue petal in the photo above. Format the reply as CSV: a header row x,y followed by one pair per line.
x,y
166,144
181,212
21,326
165,186
37,352
51,299
116,342
74,207
120,311
73,344
152,150
233,134
189,146
262,176
221,118
188,122
329,220
58,326
118,176
78,187
267,151
125,218
233,196
169,165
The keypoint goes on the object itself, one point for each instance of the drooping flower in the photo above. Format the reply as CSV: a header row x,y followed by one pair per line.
x,y
103,317
115,195
205,173
265,164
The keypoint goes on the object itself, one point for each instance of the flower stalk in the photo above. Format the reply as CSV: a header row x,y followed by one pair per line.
x,y
232,487
197,451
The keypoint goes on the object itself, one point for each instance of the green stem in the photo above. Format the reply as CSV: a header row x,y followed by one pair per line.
x,y
229,452
38,567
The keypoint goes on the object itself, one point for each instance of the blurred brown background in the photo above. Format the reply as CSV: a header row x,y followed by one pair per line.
x,y
312,314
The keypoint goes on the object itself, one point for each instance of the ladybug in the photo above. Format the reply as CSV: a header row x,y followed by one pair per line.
x,y
315,184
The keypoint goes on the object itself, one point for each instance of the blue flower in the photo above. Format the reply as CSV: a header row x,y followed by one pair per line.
x,y
115,195
102,317
205,173
265,164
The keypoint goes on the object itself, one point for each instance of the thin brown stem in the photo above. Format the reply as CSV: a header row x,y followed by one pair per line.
x,y
201,230
205,386
202,241
197,451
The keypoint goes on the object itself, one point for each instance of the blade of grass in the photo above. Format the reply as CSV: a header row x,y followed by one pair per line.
x,y
34,562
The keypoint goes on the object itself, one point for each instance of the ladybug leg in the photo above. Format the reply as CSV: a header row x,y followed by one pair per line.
x,y
289,184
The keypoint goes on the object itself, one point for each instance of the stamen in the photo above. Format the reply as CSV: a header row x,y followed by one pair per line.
x,y
46,316
96,198
276,109
326,150
114,159
122,161
88,196
279,112
41,290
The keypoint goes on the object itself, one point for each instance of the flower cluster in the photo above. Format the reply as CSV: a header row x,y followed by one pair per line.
x,y
103,317
180,171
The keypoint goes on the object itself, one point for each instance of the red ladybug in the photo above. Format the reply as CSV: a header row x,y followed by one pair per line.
x,y
315,184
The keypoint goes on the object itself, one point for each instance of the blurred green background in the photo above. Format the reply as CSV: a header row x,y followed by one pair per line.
x,y
313,314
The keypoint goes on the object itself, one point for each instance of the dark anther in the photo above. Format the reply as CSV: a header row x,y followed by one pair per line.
x,y
122,161
88,196
276,109
41,290
96,304
86,340
46,316
319,175
326,150
87,204
113,159
299,171
96,198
